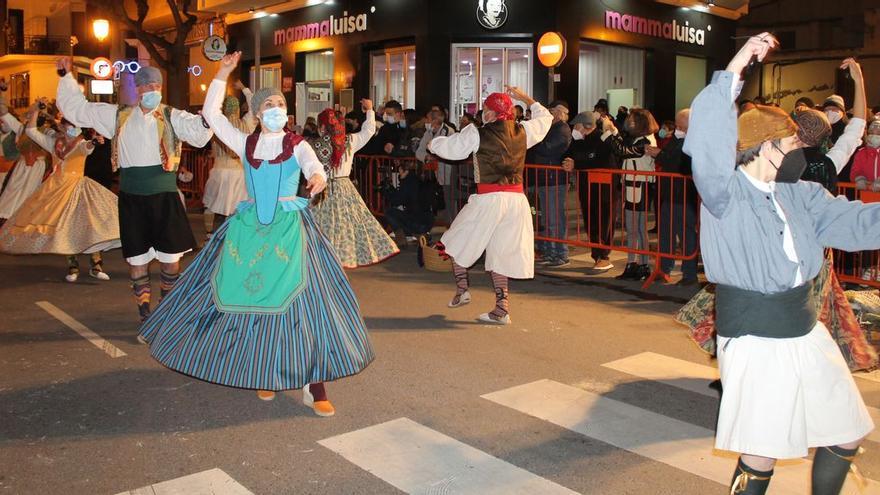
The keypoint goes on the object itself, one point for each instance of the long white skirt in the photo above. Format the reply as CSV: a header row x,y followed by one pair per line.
x,y
499,223
224,190
23,182
783,396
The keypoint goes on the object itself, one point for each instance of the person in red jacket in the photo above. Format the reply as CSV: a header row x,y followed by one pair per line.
x,y
866,163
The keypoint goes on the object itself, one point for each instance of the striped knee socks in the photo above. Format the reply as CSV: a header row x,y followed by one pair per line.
x,y
502,305
166,282
141,288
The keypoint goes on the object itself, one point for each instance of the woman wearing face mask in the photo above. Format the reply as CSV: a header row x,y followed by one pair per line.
x,y
640,127
70,214
29,170
353,231
266,304
835,110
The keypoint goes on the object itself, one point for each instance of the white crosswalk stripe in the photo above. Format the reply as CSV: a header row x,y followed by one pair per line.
x,y
646,433
419,460
688,376
211,482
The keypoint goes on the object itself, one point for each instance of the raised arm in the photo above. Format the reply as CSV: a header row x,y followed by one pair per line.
x,y
852,136
42,140
75,107
225,131
368,129
249,120
457,146
190,128
612,138
712,133
13,123
539,125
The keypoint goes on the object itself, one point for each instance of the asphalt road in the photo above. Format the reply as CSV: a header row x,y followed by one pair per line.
x,y
74,420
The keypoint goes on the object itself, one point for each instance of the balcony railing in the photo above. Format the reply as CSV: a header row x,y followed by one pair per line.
x,y
42,45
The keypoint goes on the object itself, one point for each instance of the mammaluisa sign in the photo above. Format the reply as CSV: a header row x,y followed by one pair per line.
x,y
334,26
650,27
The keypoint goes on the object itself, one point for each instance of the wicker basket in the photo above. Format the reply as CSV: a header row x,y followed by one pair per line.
x,y
432,258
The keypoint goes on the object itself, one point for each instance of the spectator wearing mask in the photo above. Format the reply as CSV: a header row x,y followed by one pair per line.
x,y
601,107
813,130
552,186
866,164
835,110
588,151
665,134
640,127
446,176
678,203
389,136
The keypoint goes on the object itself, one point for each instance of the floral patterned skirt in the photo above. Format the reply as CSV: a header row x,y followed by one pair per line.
x,y
834,311
356,235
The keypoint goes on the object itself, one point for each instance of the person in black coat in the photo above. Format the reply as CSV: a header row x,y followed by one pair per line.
x,y
588,151
678,203
552,186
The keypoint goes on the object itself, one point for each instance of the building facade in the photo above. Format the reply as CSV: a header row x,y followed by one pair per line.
x,y
455,52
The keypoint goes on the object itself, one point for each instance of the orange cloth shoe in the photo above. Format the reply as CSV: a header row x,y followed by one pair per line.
x,y
322,408
265,394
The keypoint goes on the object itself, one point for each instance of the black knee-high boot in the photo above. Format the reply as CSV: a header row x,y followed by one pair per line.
x,y
830,465
749,481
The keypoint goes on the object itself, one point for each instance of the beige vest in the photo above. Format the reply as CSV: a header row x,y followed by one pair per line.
x,y
169,145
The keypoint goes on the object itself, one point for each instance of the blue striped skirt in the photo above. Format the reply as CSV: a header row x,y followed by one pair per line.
x,y
321,337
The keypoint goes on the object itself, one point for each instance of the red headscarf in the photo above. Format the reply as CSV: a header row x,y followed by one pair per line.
x,y
332,127
501,104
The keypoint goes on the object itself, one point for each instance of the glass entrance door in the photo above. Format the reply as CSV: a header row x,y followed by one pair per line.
x,y
480,69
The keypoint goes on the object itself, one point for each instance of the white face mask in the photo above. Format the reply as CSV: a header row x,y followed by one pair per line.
x,y
873,140
680,134
834,116
389,119
576,135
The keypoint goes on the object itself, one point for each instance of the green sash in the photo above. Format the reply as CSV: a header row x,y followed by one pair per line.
x,y
262,267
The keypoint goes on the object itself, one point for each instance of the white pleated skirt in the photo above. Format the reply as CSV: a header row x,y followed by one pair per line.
x,y
499,224
783,396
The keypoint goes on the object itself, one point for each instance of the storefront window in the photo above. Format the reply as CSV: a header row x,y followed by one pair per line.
x,y
612,72
270,76
480,69
317,90
393,76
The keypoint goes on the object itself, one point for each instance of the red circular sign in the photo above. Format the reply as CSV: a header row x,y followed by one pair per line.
x,y
102,68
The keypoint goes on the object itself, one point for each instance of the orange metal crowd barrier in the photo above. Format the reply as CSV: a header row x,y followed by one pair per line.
x,y
199,162
862,267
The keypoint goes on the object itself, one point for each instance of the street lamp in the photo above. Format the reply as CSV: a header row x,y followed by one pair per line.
x,y
101,28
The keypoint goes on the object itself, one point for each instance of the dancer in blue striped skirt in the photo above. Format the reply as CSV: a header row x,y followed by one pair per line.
x,y
266,304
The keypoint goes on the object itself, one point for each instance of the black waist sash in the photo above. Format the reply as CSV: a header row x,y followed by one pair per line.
x,y
784,315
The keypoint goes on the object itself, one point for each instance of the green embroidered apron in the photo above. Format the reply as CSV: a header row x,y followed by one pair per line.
x,y
262,267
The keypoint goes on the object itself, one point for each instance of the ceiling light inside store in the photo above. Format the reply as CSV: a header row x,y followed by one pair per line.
x,y
494,59
328,52
273,15
260,14
412,67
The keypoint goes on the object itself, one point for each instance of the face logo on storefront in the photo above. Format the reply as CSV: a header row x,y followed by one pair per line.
x,y
491,14
650,27
334,26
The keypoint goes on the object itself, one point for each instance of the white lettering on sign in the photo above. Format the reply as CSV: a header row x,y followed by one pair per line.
x,y
334,26
650,27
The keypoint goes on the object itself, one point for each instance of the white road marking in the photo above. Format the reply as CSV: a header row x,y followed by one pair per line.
x,y
210,482
689,376
419,460
655,436
81,329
